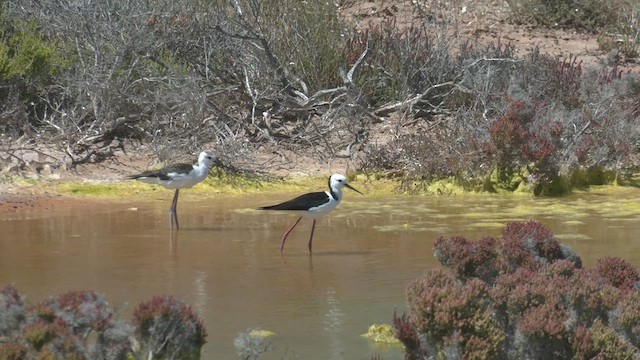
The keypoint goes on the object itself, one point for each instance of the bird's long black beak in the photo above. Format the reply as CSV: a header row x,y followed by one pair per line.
x,y
354,189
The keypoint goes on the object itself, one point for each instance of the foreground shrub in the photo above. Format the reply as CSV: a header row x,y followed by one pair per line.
x,y
81,325
169,329
456,319
521,296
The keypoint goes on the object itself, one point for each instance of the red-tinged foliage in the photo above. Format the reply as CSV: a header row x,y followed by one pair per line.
x,y
583,148
565,79
12,310
54,339
169,328
88,310
10,297
516,140
618,272
508,135
469,259
599,341
545,321
542,301
529,244
43,311
454,313
541,304
12,350
80,325
406,332
523,245
41,332
590,297
629,317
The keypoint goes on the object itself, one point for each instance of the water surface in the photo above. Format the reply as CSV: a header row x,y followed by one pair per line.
x,y
225,260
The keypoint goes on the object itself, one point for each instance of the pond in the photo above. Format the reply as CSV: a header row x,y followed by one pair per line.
x,y
225,260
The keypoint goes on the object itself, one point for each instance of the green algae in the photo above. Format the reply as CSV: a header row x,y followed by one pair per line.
x,y
219,182
104,189
261,334
517,181
372,185
381,333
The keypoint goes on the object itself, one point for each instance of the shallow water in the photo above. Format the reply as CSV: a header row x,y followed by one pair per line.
x,y
224,261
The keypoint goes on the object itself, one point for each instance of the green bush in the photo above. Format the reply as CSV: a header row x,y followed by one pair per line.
x,y
24,52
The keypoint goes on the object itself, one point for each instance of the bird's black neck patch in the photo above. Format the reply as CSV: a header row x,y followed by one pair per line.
x,y
333,193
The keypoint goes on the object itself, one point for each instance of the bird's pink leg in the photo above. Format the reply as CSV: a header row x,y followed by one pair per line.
x,y
313,227
173,211
284,238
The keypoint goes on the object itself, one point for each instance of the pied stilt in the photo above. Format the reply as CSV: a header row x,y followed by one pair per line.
x,y
178,176
314,205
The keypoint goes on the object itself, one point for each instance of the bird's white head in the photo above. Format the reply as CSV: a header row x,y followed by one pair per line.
x,y
207,158
338,181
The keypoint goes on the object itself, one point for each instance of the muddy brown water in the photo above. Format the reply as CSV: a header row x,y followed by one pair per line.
x,y
225,263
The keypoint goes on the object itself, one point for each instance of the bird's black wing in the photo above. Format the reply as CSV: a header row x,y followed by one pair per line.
x,y
162,173
302,202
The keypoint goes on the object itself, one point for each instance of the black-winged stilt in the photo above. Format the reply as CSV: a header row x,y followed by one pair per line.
x,y
314,205
178,176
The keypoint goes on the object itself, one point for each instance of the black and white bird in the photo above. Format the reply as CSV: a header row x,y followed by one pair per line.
x,y
178,176
313,205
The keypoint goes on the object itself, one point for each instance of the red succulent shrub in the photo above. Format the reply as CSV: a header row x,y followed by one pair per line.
x,y
537,303
42,311
169,328
59,327
39,333
12,310
405,331
529,302
81,325
531,244
599,341
618,272
82,310
13,350
629,317
545,321
53,340
468,259
449,313
590,297
508,135
523,244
